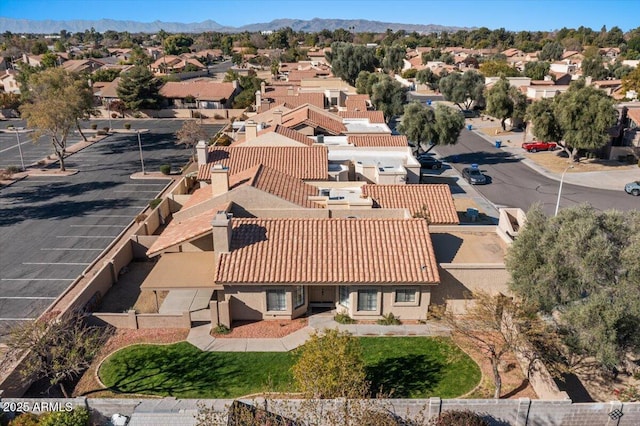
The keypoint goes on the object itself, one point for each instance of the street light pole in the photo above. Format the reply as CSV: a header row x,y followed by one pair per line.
x,y
109,113
140,148
20,150
560,190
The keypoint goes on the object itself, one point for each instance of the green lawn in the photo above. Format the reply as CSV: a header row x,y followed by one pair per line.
x,y
413,367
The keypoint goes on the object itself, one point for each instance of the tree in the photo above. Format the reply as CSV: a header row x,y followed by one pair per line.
x,y
497,325
463,89
190,134
118,106
348,60
421,124
177,44
56,101
542,116
498,69
139,89
39,47
331,365
388,96
585,115
505,101
581,266
431,79
632,81
551,52
536,70
49,60
60,348
105,74
592,67
9,100
393,58
366,80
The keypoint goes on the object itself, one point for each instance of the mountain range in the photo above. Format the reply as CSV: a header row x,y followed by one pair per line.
x,y
313,25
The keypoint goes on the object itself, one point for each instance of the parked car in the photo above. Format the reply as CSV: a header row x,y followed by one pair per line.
x,y
633,188
429,162
469,113
539,146
473,175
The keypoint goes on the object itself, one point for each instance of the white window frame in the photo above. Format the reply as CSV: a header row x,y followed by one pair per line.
x,y
284,296
406,290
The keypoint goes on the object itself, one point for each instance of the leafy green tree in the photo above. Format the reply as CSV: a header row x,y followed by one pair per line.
x,y
58,46
9,100
498,69
431,79
505,101
347,60
105,74
366,80
424,125
61,349
582,266
56,99
585,115
592,67
79,416
139,89
331,365
39,47
632,81
551,52
49,60
536,70
393,58
542,116
463,89
177,44
388,96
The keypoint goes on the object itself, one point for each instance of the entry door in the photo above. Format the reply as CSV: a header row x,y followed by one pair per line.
x,y
321,294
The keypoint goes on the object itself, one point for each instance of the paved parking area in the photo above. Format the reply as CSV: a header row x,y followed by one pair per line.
x,y
52,228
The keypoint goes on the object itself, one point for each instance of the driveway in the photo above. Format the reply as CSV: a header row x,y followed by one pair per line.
x,y
52,228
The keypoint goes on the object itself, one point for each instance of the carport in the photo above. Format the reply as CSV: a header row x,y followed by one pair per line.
x,y
188,276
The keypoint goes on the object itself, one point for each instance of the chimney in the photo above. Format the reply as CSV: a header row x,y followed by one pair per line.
x,y
290,91
258,99
250,130
221,225
277,117
219,180
263,87
201,151
235,85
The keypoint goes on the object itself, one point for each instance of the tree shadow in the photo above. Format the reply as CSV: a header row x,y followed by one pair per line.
x,y
405,376
522,386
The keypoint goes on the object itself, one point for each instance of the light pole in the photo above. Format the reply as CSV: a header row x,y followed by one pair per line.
x,y
560,189
20,150
140,148
109,113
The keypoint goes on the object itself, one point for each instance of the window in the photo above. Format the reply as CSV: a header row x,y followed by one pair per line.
x,y
405,295
298,296
276,300
367,300
343,295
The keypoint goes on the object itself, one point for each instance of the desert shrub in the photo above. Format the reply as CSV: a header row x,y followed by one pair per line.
x,y
94,126
106,129
155,202
165,169
458,418
101,133
221,329
127,126
342,318
389,319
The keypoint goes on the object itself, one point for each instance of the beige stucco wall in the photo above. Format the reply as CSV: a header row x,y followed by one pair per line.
x,y
386,303
249,303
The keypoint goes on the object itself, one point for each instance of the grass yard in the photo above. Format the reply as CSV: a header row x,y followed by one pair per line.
x,y
406,367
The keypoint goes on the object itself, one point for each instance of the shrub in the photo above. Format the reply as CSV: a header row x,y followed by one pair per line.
x,y
94,126
127,126
25,419
410,73
218,117
13,169
221,329
459,418
114,115
101,133
389,319
165,169
342,318
137,115
155,202
78,417
106,129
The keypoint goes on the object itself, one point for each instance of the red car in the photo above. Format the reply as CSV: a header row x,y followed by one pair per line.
x,y
539,146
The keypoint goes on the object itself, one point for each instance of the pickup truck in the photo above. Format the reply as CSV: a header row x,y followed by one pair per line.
x,y
539,146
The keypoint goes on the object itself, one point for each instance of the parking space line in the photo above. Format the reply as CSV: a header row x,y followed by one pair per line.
x,y
37,279
71,249
26,298
108,215
55,263
17,319
137,190
141,184
96,226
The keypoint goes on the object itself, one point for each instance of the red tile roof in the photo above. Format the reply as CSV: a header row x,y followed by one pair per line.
x,y
329,251
288,133
202,90
373,116
309,163
312,98
355,104
379,141
436,198
314,118
276,183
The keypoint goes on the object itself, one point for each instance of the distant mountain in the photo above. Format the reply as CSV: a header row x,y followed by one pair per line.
x,y
313,25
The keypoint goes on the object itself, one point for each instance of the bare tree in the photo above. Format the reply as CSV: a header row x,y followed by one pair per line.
x,y
189,134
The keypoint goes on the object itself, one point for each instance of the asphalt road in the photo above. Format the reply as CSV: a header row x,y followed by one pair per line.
x,y
52,228
514,184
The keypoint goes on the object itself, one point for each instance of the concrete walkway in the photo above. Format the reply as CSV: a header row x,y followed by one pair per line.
x,y
201,337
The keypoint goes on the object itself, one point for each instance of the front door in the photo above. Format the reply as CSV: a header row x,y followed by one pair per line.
x,y
322,295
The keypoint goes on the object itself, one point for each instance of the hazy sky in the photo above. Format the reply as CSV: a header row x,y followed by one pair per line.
x,y
512,15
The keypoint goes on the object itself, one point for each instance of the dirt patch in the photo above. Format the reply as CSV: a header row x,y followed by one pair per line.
x,y
126,293
556,163
88,384
514,383
263,329
462,204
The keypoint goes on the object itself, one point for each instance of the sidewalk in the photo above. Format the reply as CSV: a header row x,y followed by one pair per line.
x,y
612,180
201,338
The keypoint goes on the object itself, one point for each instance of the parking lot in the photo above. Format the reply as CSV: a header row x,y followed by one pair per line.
x,y
52,228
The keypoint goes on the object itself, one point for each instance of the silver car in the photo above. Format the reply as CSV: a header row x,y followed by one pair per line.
x,y
474,176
